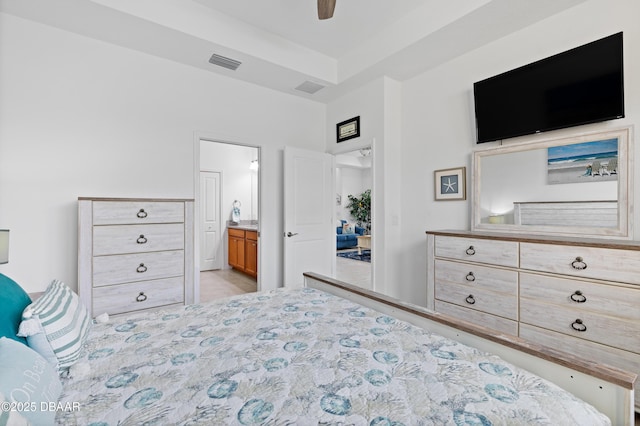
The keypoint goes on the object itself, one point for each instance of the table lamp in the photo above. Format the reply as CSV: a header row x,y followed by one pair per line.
x,y
4,246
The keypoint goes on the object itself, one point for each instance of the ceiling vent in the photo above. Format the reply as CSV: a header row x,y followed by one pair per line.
x,y
310,87
224,62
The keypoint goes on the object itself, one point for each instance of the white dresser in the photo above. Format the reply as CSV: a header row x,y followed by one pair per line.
x,y
581,296
134,254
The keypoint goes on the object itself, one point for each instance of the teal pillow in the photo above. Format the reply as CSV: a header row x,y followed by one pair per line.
x,y
28,378
13,300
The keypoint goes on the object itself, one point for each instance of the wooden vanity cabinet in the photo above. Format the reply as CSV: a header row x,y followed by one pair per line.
x,y
243,251
236,248
251,253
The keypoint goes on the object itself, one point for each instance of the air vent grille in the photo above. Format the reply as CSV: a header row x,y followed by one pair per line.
x,y
224,62
310,87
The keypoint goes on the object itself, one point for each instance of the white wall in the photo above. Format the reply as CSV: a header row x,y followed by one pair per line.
x,y
438,121
79,117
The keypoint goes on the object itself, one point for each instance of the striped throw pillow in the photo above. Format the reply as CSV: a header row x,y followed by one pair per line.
x,y
56,325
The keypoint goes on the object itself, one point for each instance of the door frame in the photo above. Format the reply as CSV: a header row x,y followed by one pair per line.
x,y
375,223
210,137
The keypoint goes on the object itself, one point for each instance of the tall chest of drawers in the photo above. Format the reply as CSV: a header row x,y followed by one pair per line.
x,y
134,254
578,295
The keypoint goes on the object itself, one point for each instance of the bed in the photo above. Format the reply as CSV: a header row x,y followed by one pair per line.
x,y
328,353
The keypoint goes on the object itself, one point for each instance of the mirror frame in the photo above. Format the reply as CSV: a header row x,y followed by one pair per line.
x,y
624,230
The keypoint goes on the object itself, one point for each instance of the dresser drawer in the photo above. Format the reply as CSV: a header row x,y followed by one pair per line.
x,y
117,299
122,239
589,351
478,299
581,323
477,276
133,212
251,235
601,299
588,262
503,253
118,269
479,318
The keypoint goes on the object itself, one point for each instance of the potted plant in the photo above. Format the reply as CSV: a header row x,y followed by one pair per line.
x,y
360,209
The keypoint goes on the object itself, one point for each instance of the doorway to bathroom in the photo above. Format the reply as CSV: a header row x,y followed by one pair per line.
x,y
228,225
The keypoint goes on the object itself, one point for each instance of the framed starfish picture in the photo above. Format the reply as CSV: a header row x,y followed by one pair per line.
x,y
450,184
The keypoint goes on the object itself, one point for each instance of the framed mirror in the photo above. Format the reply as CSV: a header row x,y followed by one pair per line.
x,y
570,186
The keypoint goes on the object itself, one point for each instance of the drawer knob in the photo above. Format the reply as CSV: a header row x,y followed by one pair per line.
x,y
470,251
141,297
579,264
470,277
141,239
142,268
141,214
470,299
577,325
578,297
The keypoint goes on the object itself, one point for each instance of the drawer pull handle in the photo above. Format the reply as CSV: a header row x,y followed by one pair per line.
x,y
141,214
577,325
470,277
470,251
470,300
578,297
141,239
141,297
579,264
142,268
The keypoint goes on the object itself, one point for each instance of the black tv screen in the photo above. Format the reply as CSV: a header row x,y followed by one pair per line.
x,y
579,86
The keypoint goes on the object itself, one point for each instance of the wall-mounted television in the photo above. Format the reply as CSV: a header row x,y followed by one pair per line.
x,y
580,86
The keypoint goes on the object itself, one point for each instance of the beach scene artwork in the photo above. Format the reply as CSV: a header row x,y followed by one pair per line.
x,y
583,162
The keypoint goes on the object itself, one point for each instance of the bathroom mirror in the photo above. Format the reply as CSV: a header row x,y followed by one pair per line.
x,y
571,186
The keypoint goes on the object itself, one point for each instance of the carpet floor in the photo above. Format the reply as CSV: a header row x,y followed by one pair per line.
x,y
365,256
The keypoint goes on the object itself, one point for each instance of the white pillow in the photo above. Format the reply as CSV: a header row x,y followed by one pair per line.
x,y
56,325
11,418
28,381
347,229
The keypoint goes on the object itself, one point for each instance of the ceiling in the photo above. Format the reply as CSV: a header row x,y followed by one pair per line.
x,y
281,43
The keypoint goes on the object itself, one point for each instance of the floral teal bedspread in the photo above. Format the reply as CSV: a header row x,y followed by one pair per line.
x,y
299,357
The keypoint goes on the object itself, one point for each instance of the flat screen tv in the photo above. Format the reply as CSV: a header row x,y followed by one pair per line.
x,y
579,86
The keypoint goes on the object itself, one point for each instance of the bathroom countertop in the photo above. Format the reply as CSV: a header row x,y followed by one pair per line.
x,y
244,226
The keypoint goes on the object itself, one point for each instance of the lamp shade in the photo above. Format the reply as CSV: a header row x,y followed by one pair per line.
x,y
4,246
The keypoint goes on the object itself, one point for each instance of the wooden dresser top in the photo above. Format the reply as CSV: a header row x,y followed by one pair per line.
x,y
543,239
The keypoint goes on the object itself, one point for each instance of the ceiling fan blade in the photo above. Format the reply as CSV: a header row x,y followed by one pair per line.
x,y
326,8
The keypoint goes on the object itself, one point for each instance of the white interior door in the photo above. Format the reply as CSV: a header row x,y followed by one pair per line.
x,y
211,247
309,242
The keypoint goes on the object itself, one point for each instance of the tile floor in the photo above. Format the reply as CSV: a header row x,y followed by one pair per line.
x,y
225,283
354,272
229,282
